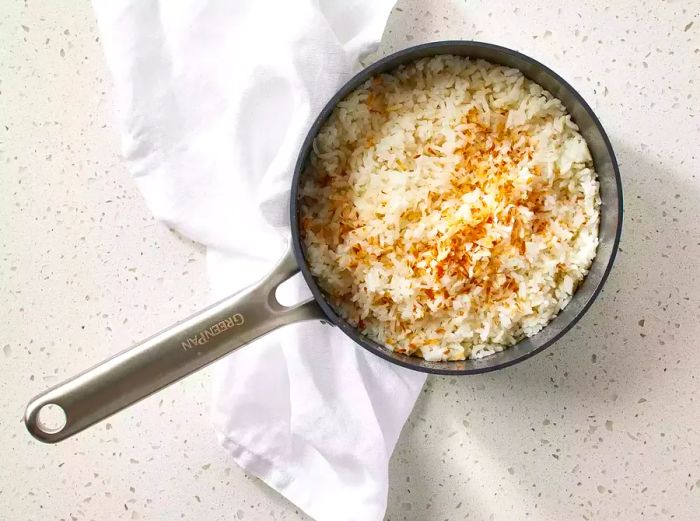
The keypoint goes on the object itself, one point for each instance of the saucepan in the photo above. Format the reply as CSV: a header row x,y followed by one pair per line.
x,y
247,315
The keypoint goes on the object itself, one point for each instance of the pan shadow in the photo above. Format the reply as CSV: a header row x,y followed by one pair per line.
x,y
601,371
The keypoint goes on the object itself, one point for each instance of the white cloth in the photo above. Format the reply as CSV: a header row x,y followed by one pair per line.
x,y
214,99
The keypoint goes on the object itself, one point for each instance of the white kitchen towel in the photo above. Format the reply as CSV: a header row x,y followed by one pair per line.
x,y
214,99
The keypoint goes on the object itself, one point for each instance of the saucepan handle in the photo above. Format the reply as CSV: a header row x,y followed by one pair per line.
x,y
169,356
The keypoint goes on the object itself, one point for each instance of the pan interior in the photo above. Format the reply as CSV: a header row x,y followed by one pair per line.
x,y
610,211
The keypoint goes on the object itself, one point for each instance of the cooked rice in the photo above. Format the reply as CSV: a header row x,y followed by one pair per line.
x,y
449,209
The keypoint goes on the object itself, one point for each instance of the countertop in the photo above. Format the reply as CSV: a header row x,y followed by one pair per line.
x,y
604,425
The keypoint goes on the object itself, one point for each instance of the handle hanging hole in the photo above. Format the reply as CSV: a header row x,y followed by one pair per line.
x,y
51,418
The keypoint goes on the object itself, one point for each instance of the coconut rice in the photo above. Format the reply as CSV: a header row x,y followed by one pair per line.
x,y
450,208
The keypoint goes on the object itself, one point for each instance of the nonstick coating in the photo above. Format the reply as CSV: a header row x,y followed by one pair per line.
x,y
610,212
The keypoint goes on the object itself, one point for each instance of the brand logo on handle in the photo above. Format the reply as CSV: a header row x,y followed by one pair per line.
x,y
212,331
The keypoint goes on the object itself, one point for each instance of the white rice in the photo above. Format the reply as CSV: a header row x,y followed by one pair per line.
x,y
450,208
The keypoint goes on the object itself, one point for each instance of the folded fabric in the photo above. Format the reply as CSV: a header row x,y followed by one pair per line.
x,y
214,99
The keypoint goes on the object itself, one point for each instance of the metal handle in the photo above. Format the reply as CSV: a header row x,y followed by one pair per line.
x,y
163,359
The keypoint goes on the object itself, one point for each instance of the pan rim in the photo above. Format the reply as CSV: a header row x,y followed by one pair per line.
x,y
395,59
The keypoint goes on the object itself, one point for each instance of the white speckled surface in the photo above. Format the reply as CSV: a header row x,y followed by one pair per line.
x,y
604,425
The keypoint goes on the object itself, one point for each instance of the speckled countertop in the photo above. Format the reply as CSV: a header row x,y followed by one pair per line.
x,y
604,425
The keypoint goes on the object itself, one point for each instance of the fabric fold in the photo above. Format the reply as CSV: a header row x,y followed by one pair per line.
x,y
213,102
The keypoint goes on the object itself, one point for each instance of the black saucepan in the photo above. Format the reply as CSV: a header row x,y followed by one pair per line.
x,y
241,318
